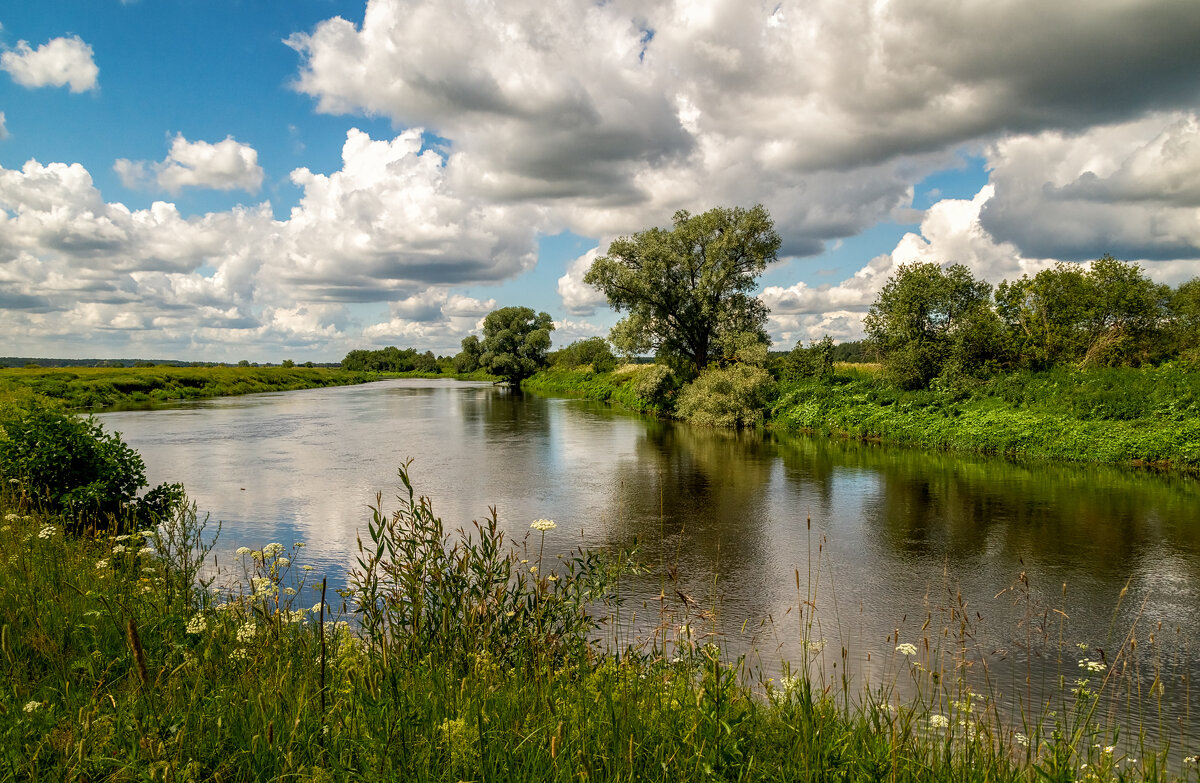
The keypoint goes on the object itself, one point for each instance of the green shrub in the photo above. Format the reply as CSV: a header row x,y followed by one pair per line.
x,y
68,465
733,396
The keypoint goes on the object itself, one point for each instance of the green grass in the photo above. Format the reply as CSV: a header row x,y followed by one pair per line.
x,y
617,387
460,661
1139,416
103,387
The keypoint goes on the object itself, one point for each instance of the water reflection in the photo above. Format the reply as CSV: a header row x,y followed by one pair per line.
x,y
880,540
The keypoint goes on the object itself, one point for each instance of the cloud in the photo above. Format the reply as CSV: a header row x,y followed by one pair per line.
x,y
3,127
617,114
56,63
389,223
1129,189
579,298
226,165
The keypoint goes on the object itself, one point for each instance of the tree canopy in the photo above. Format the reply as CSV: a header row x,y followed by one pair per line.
x,y
927,319
515,342
688,289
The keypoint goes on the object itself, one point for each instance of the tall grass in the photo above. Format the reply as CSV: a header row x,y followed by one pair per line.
x,y
455,655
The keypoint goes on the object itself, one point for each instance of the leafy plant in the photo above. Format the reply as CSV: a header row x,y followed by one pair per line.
x,y
68,465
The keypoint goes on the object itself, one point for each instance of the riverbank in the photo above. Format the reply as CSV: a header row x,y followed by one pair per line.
x,y
1131,416
120,665
84,388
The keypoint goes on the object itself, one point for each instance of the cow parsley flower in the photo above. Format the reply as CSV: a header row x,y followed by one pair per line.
x,y
198,624
47,531
939,722
101,564
273,550
33,706
242,551
543,525
906,649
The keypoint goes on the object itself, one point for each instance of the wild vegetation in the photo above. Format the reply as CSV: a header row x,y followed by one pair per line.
x,y
455,655
102,387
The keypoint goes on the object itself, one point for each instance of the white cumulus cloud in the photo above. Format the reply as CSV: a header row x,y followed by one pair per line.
x,y
226,165
57,63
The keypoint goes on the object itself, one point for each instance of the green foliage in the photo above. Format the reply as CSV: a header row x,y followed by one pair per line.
x,y
515,342
690,288
593,352
467,360
816,361
730,396
100,387
424,593
1119,415
649,388
1185,319
928,319
69,466
391,360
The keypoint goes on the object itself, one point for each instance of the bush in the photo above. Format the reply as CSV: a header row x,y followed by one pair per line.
x,y
733,396
68,465
655,384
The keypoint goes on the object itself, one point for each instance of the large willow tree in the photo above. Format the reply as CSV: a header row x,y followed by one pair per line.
x,y
689,289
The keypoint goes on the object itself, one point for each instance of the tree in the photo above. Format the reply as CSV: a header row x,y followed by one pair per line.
x,y
688,289
467,360
1043,315
593,351
515,342
928,320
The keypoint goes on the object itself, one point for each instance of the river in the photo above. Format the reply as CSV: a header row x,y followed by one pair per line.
x,y
1015,564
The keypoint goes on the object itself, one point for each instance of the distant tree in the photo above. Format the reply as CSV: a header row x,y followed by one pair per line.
x,y
242,363
515,342
593,351
1127,312
928,320
287,363
309,364
1043,315
1185,318
426,362
689,289
467,360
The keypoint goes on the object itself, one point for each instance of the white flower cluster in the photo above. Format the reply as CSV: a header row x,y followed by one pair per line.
x,y
273,550
198,624
906,649
1091,666
47,531
939,722
543,525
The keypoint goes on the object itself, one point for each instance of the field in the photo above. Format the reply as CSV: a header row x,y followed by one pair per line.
x,y
104,387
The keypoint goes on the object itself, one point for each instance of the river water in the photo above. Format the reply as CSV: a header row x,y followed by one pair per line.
x,y
1015,564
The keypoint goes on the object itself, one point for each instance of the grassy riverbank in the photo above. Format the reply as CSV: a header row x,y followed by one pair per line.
x,y
469,663
1133,416
104,387
1145,415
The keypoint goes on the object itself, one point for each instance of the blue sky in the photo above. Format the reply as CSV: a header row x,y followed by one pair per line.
x,y
210,179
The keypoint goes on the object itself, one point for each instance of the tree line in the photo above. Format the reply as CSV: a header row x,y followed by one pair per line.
x,y
687,296
930,323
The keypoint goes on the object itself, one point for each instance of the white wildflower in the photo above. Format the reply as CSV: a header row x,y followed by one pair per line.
x,y
33,706
307,568
246,631
262,586
242,551
1091,666
124,537
5,529
1109,748
47,531
273,550
1021,739
1191,760
198,624
101,564
118,549
283,562
906,649
146,550
11,517
938,721
543,525
815,647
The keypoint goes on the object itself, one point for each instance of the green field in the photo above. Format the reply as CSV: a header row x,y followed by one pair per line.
x,y
104,387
